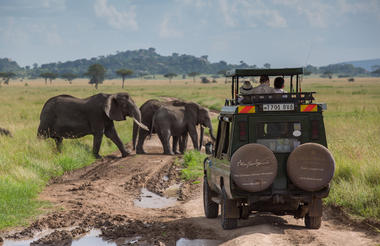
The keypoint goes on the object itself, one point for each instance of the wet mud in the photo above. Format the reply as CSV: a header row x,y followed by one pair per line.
x,y
98,205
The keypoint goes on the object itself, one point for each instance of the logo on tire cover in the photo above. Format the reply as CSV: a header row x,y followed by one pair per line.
x,y
248,164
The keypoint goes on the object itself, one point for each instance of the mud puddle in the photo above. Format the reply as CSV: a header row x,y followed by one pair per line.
x,y
148,199
197,242
89,239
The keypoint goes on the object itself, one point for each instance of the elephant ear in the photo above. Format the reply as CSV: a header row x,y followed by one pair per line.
x,y
112,109
193,110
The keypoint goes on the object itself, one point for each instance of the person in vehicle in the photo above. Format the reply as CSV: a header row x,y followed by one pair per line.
x,y
279,85
264,87
245,90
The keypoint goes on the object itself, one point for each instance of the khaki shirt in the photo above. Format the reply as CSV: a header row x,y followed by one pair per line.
x,y
263,89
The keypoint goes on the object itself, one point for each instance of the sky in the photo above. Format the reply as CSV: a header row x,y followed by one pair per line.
x,y
284,33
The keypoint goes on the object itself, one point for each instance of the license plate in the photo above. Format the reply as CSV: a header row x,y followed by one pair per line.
x,y
278,107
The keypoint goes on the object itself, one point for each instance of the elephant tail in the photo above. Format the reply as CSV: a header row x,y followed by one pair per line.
x,y
135,133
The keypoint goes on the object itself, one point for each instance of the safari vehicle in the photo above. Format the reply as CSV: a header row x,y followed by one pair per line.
x,y
270,154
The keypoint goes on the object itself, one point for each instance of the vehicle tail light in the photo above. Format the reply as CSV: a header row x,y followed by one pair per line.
x,y
314,129
242,131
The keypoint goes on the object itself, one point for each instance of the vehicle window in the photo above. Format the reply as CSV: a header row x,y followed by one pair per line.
x,y
280,137
223,138
226,138
278,129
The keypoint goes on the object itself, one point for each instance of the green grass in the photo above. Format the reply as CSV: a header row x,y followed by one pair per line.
x,y
26,163
193,165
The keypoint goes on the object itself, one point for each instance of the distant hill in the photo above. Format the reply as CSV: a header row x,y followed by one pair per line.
x,y
142,62
149,62
366,64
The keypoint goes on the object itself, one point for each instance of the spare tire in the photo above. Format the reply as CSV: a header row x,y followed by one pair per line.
x,y
253,167
310,166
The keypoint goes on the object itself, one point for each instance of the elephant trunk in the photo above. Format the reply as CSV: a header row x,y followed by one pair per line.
x,y
135,131
136,115
201,138
211,133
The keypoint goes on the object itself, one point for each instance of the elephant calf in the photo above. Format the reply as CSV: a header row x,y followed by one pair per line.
x,y
65,116
177,122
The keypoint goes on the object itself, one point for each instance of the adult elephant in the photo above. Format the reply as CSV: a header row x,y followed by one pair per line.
x,y
65,116
177,122
148,109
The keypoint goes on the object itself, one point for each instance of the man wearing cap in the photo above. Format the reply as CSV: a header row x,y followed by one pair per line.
x,y
264,87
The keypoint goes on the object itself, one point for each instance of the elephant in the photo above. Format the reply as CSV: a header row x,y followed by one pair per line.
x,y
147,111
178,121
5,132
65,116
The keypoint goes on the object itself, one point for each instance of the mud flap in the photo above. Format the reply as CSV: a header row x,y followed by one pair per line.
x,y
315,208
232,210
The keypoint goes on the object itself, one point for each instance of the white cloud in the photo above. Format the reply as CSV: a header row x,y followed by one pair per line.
x,y
369,7
117,19
316,12
196,3
252,12
168,31
54,4
227,11
321,14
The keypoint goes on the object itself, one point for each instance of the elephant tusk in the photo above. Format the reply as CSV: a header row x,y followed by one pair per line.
x,y
141,125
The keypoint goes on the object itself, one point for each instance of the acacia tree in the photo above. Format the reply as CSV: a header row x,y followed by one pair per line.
x,y
124,73
6,76
45,76
69,77
170,76
96,73
193,74
52,76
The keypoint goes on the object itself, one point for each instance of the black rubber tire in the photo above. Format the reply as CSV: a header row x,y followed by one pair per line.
x,y
211,208
313,222
227,223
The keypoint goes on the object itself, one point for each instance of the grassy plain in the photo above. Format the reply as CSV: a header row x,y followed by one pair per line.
x,y
26,163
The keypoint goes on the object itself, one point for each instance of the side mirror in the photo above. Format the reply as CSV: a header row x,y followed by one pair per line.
x,y
208,148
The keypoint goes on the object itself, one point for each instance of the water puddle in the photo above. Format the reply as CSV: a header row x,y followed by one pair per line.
x,y
89,239
92,238
197,242
149,199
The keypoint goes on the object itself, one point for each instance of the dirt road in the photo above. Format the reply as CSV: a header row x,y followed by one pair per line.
x,y
106,194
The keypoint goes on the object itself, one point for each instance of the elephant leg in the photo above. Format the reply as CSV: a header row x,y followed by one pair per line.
x,y
96,144
164,136
175,144
142,135
112,134
194,136
183,143
58,143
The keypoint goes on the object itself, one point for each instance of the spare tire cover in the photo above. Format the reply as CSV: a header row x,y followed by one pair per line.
x,y
311,166
253,167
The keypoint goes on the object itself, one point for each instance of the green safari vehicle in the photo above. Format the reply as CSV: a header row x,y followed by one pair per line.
x,y
270,154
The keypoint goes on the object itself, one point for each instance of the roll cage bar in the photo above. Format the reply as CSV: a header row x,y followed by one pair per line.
x,y
295,94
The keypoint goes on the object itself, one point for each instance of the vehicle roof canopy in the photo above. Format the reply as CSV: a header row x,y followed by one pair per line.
x,y
268,72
